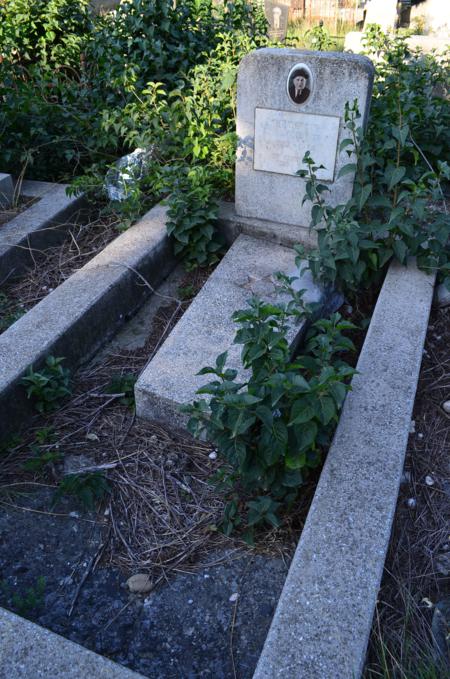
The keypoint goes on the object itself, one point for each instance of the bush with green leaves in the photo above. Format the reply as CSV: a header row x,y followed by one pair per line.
x,y
48,386
272,427
391,214
47,32
60,121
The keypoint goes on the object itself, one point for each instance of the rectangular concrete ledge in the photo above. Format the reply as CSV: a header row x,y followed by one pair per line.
x,y
206,329
322,623
81,314
6,190
28,651
232,225
40,226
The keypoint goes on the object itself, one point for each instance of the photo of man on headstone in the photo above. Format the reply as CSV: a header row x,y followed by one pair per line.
x,y
299,86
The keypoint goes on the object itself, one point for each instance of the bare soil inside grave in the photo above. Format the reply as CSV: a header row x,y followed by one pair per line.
x,y
212,598
24,202
89,234
412,622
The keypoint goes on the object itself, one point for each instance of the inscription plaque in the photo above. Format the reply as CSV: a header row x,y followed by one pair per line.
x,y
282,139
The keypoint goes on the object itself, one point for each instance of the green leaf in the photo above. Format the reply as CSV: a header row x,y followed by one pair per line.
x,y
400,250
300,413
350,168
394,175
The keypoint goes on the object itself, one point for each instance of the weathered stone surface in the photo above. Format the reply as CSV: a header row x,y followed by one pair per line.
x,y
40,226
139,583
6,190
427,43
382,12
442,297
277,14
323,619
29,651
206,329
267,84
83,312
36,189
232,224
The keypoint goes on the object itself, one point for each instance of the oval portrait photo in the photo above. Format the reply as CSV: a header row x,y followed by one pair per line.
x,y
299,84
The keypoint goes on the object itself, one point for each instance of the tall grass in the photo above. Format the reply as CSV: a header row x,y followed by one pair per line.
x,y
299,32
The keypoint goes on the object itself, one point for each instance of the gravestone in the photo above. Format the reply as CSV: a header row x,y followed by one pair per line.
x,y
381,12
289,102
277,14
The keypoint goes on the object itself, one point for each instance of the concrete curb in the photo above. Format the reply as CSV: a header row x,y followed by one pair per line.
x,y
82,313
28,651
6,190
38,227
322,623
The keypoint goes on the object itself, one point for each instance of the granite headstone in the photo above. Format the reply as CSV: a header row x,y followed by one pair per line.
x,y
289,102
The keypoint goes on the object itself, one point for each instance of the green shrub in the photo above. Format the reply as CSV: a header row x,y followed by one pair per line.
x,y
48,386
272,429
48,32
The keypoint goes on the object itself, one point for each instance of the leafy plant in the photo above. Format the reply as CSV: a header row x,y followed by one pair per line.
x,y
272,428
319,38
31,600
387,217
49,386
192,215
8,317
41,459
123,384
89,489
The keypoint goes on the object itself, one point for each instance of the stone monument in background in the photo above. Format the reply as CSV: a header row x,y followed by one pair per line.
x,y
277,14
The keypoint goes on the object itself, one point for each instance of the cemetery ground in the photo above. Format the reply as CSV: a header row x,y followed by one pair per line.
x,y
209,606
158,515
257,547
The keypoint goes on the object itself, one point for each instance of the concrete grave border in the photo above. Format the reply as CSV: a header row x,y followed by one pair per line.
x,y
40,226
322,623
28,651
6,190
83,312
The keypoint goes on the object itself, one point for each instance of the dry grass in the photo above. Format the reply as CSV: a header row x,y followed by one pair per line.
x,y
88,233
401,645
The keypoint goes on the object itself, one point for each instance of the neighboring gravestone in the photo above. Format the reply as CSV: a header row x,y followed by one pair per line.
x,y
277,14
381,12
289,102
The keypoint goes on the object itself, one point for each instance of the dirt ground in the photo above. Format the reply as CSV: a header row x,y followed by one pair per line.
x,y
410,636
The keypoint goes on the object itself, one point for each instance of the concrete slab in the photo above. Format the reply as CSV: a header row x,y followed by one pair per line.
x,y
36,189
206,329
322,623
40,226
82,313
6,190
28,651
232,225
